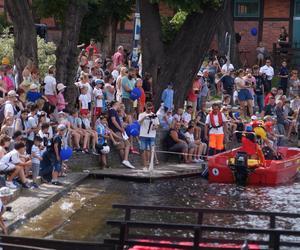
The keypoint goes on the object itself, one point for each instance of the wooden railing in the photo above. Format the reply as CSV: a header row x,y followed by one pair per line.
x,y
197,229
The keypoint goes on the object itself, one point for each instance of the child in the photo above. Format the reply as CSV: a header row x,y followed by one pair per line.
x,y
61,103
167,97
200,148
84,100
33,95
37,151
99,98
86,125
142,99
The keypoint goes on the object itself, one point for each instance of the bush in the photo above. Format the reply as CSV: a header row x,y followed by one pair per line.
x,y
46,52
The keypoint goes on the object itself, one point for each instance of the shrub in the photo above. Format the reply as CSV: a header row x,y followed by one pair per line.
x,y
46,52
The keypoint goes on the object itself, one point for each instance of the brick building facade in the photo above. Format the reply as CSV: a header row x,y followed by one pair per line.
x,y
267,16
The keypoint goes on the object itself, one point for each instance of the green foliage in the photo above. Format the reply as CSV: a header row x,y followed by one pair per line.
x,y
191,5
3,23
46,51
171,25
50,8
99,14
46,55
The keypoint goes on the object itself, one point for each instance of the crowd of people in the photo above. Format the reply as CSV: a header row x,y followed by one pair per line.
x,y
37,124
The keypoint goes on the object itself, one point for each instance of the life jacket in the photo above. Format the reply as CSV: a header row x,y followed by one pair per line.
x,y
212,120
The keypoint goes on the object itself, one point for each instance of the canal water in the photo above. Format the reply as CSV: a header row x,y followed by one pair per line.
x,y
82,213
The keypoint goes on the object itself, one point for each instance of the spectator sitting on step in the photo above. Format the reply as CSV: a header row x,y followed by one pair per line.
x,y
116,126
12,163
200,147
176,142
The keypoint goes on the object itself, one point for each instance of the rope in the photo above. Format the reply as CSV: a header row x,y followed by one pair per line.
x,y
177,153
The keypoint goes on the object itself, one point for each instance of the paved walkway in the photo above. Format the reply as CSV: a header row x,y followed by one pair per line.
x,y
30,202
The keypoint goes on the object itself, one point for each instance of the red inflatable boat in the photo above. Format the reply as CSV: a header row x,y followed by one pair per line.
x,y
234,166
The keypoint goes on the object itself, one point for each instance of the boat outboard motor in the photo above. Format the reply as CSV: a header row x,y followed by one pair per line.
x,y
241,170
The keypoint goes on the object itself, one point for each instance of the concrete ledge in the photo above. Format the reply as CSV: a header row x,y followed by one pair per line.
x,y
169,171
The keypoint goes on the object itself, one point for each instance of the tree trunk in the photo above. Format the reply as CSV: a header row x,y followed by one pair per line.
x,y
227,25
151,40
180,62
67,51
110,32
25,46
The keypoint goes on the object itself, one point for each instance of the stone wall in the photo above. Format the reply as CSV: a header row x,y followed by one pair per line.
x,y
81,161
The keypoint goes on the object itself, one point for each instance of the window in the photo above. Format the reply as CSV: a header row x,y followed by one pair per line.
x,y
246,8
297,8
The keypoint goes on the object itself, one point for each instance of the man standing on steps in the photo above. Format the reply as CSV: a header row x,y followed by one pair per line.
x,y
268,71
149,123
215,128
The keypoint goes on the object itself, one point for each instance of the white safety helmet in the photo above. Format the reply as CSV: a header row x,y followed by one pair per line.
x,y
105,149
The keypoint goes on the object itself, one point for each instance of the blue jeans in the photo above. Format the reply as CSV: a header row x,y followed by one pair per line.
x,y
259,102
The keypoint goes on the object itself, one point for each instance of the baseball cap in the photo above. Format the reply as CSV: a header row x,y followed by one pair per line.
x,y
99,81
61,127
12,93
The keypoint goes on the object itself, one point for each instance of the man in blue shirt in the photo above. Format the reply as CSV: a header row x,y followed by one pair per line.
x,y
128,83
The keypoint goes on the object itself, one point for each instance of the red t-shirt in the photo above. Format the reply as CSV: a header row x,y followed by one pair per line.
x,y
91,46
192,96
118,59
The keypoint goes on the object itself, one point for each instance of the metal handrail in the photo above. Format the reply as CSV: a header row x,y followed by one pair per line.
x,y
206,210
198,228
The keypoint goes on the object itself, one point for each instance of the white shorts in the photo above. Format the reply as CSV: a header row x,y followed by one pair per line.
x,y
7,167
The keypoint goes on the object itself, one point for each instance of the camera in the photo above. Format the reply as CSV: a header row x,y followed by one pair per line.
x,y
153,116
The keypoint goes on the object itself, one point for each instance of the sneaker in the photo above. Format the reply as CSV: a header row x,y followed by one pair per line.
x,y
25,185
200,161
127,164
94,152
145,169
86,151
56,183
195,160
17,183
34,185
11,185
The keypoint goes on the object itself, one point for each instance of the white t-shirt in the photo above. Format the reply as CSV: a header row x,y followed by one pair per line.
x,y
11,157
86,123
37,152
146,126
98,93
9,110
31,123
268,70
189,136
216,119
50,85
115,74
84,100
186,117
177,117
227,68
